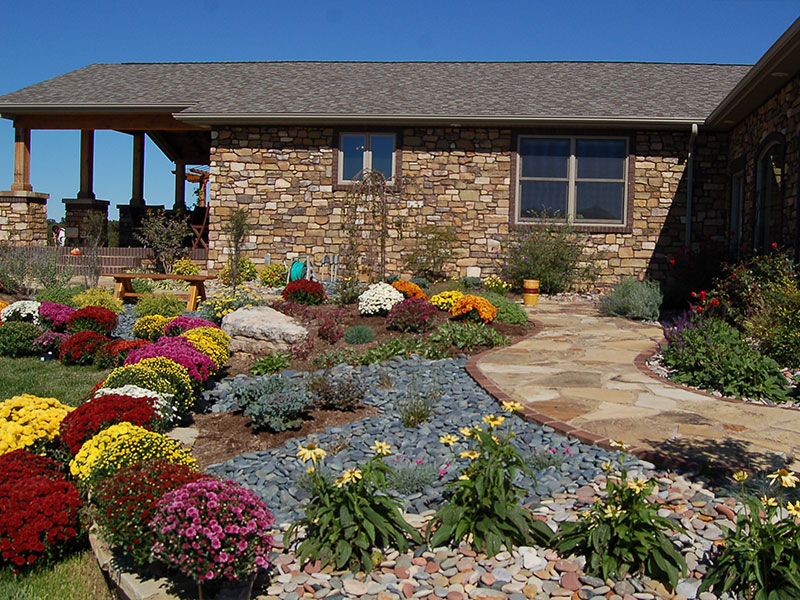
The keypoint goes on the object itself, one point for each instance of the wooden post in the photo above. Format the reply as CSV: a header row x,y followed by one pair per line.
x,y
87,165
137,194
22,160
180,186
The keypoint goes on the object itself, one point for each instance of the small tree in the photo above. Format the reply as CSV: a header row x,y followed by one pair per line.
x,y
432,249
164,236
236,231
94,233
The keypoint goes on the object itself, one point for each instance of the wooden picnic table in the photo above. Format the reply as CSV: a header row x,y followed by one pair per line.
x,y
123,290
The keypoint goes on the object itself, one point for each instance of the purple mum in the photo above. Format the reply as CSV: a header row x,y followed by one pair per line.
x,y
55,315
180,324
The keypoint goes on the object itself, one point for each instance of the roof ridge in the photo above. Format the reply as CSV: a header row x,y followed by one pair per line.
x,y
425,62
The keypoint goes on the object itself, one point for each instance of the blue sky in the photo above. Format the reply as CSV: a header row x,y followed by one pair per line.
x,y
43,39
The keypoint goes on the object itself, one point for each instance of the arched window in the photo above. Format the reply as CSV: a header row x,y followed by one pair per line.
x,y
769,197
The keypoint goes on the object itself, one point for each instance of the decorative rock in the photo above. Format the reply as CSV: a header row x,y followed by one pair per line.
x,y
565,566
257,329
688,588
354,587
570,581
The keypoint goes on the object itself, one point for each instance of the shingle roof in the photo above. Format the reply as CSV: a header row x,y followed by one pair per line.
x,y
434,90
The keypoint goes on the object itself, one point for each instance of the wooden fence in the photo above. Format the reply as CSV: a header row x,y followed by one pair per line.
x,y
112,260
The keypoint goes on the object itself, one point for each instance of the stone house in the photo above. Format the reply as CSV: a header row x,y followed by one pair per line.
x,y
647,161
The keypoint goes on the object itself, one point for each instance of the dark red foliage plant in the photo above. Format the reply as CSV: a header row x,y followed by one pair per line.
x,y
304,291
114,353
330,326
20,465
92,318
125,502
80,348
412,314
92,417
41,520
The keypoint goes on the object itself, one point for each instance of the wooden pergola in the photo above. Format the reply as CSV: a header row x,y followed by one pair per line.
x,y
184,144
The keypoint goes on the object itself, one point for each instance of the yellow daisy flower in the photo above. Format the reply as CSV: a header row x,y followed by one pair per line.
x,y
493,421
465,431
470,454
787,478
311,452
637,485
613,511
793,509
449,439
619,444
740,476
349,476
767,501
381,448
463,477
511,406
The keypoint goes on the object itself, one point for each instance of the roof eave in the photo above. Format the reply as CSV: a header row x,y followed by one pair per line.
x,y
9,110
410,119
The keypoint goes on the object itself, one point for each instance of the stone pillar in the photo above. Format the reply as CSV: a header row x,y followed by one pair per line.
x,y
180,187
22,160
23,218
137,192
76,211
87,165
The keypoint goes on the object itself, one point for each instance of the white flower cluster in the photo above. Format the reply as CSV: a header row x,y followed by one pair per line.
x,y
24,310
378,299
161,403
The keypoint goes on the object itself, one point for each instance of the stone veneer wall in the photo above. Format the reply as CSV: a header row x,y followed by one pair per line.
x,y
23,218
778,115
461,176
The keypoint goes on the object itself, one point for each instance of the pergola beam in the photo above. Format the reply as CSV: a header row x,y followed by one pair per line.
x,y
123,122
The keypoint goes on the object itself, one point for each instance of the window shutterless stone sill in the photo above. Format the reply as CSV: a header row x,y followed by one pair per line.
x,y
579,227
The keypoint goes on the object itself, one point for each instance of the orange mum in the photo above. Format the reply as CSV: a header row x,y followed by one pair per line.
x,y
474,307
409,290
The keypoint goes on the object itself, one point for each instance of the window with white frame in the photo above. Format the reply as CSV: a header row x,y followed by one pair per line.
x,y
578,179
359,151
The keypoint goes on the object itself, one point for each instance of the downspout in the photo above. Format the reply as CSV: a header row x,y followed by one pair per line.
x,y
690,186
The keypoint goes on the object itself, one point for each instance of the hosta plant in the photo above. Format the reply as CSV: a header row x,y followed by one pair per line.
x,y
271,363
349,517
623,534
760,559
485,502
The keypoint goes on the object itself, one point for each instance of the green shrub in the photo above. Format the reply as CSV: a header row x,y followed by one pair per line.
x,y
776,324
633,299
59,295
508,311
466,336
548,252
433,248
359,334
143,286
271,363
165,305
274,403
246,272
709,353
164,235
16,338
273,275
422,282
345,394
185,266
97,297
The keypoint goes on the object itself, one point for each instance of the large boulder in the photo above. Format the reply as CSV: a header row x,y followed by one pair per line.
x,y
259,329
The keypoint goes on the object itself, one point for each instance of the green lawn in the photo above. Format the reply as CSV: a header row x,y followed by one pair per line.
x,y
47,379
77,577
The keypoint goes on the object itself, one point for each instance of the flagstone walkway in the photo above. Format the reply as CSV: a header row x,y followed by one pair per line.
x,y
577,374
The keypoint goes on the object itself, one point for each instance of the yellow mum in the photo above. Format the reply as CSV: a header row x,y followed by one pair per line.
x,y
26,419
150,327
212,342
446,300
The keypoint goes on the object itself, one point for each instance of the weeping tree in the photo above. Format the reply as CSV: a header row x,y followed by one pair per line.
x,y
367,223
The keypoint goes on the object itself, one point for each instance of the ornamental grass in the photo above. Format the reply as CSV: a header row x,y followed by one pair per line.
x,y
26,420
125,502
92,417
211,341
122,445
474,308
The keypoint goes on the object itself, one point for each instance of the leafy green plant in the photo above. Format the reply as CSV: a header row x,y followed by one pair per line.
x,y
485,502
164,235
633,299
707,352
508,311
418,406
466,336
541,460
59,295
470,283
16,338
422,282
273,402
623,533
185,266
359,334
411,476
760,559
776,324
246,271
143,286
166,305
97,297
433,248
347,519
271,363
273,275
549,252
344,394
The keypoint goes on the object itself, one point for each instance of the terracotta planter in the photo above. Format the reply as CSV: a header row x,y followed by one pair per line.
x,y
530,292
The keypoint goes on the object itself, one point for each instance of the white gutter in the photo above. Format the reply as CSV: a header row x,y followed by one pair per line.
x,y
690,185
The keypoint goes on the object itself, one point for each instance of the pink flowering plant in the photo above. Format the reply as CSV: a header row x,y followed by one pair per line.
x,y
55,315
180,324
49,341
181,350
212,530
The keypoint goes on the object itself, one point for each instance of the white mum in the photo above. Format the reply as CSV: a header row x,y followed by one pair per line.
x,y
161,403
24,310
378,299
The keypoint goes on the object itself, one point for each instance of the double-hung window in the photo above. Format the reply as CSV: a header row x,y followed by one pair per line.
x,y
578,179
358,151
